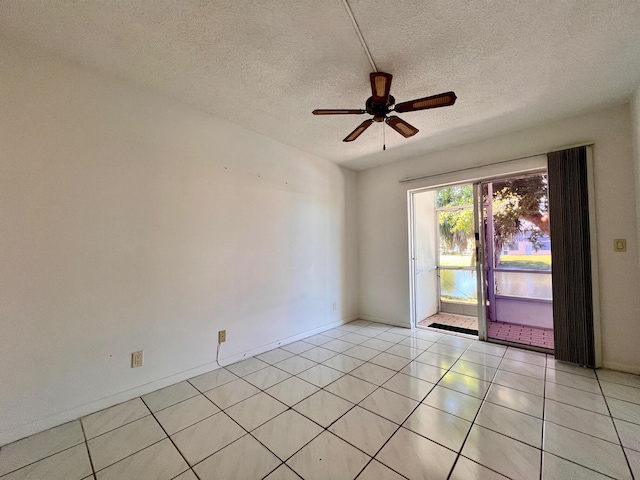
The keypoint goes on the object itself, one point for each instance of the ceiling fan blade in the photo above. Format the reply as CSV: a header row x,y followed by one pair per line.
x,y
337,112
402,127
380,86
356,133
435,101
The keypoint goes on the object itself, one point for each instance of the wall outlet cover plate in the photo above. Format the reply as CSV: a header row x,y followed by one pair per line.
x,y
137,359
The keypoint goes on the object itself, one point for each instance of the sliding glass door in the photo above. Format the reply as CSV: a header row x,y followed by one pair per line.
x,y
515,260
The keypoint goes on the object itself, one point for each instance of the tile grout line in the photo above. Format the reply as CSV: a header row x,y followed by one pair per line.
x,y
40,459
544,412
326,429
574,430
473,422
130,455
405,419
615,427
119,426
553,399
86,444
169,437
284,462
247,432
373,457
583,433
231,418
542,419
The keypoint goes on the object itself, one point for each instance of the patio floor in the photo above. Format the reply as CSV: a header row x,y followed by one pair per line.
x,y
510,332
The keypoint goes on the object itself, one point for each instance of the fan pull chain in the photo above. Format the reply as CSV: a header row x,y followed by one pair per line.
x,y
384,139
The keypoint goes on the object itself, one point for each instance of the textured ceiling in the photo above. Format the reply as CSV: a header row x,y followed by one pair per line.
x,y
266,64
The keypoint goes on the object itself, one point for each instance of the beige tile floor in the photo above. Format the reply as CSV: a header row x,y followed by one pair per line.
x,y
364,401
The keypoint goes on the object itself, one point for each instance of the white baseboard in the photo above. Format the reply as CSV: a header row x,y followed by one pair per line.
x,y
622,367
51,421
270,346
385,321
350,319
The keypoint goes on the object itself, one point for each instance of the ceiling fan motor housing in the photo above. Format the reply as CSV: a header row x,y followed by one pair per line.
x,y
379,110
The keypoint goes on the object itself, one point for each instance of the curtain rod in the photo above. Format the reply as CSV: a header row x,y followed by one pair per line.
x,y
422,177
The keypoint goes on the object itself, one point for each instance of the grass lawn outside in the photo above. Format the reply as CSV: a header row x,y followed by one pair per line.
x,y
541,262
458,260
453,299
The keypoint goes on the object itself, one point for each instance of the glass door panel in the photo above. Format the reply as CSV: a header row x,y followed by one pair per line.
x,y
535,285
459,286
456,252
516,269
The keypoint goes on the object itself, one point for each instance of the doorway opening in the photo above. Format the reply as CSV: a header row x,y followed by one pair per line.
x,y
515,263
482,260
446,286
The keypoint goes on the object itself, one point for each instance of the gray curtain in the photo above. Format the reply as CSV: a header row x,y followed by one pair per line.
x,y
571,257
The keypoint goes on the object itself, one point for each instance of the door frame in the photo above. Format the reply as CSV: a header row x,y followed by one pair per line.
x,y
480,261
474,175
413,298
412,260
411,210
505,168
412,256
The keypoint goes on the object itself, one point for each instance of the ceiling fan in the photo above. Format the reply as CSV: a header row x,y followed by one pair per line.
x,y
381,103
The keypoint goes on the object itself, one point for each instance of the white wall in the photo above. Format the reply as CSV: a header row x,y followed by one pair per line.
x,y
384,279
132,222
635,122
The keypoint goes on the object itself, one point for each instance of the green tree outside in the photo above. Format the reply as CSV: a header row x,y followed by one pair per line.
x,y
520,206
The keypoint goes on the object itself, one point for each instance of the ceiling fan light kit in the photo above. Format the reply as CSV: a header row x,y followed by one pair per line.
x,y
381,103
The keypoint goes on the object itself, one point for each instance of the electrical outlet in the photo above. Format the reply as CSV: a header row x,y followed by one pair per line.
x,y
222,336
137,359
